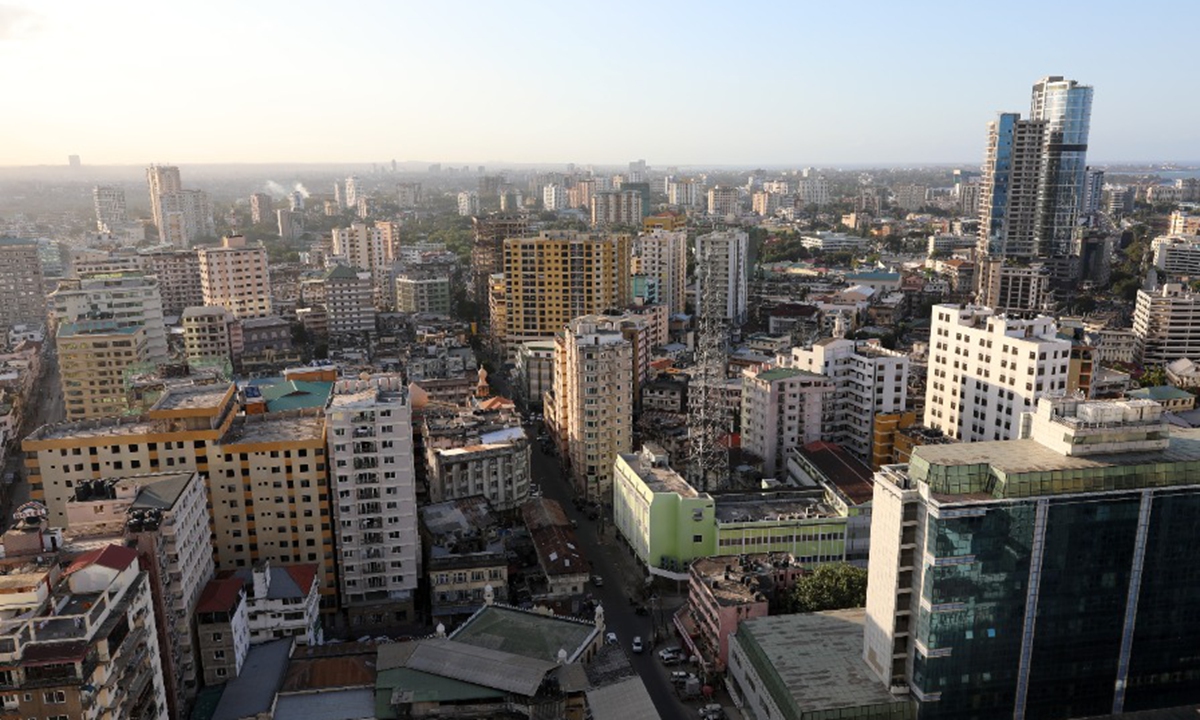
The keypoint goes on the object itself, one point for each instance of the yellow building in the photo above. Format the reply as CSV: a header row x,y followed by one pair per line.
x,y
555,277
266,474
895,436
93,356
665,221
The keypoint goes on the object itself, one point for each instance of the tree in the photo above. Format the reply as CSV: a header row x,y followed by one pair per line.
x,y
1153,377
831,587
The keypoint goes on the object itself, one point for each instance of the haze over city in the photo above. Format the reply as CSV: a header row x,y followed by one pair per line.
x,y
706,83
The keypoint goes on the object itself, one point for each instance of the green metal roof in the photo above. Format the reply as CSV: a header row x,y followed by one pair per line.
x,y
524,633
1159,393
784,373
425,687
295,394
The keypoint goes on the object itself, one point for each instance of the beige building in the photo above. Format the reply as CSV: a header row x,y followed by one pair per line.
x,y
554,277
178,274
419,294
496,468
617,208
127,298
162,180
266,473
375,506
22,295
1012,288
782,409
723,201
1166,325
590,409
369,248
210,333
662,254
93,357
235,277
349,302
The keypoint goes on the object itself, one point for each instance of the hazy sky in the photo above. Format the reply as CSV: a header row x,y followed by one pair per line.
x,y
786,82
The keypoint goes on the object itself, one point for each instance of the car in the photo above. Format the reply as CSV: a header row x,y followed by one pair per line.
x,y
611,638
679,677
636,646
712,711
670,654
597,581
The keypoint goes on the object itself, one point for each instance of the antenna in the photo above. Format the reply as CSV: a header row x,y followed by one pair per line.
x,y
708,417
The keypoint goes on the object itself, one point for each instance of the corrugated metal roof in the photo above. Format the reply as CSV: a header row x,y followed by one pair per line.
x,y
358,704
624,700
468,663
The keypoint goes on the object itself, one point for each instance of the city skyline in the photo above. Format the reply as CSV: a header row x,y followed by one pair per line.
x,y
769,85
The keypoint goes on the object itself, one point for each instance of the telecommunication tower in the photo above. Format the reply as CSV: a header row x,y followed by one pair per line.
x,y
709,422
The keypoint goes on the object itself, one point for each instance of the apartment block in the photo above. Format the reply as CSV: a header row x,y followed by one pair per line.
x,y
1177,254
109,203
1046,572
178,274
1183,222
721,269
211,333
22,294
496,468
93,357
555,277
80,642
349,302
784,408
465,558
370,249
662,255
161,180
126,298
235,276
375,505
869,379
985,370
1012,288
261,211
1166,325
417,293
223,629
186,216
591,411
724,201
267,477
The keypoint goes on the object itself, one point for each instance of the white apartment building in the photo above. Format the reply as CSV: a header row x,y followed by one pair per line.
x,y
987,369
869,379
722,257
363,246
126,298
1177,254
662,255
833,242
619,207
783,408
590,411
685,193
235,276
554,197
812,191
353,191
161,179
497,468
723,201
349,302
1166,325
1012,288
369,425
187,215
468,203
109,201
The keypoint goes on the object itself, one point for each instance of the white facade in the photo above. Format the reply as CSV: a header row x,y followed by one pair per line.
x,y
1166,325
129,298
375,503
187,215
498,470
662,254
468,203
554,197
235,276
869,378
684,193
723,201
985,370
109,201
812,191
1177,254
783,408
833,242
725,255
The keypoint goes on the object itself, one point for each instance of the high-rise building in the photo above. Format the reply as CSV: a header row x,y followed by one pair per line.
x,y
684,193
371,249
261,469
349,302
1066,108
783,409
910,197
109,201
1184,223
663,255
124,298
408,195
375,506
812,191
296,201
591,411
22,293
178,274
210,333
1041,577
81,643
162,180
554,197
289,224
724,201
556,276
93,357
617,208
468,203
417,293
1012,288
1177,255
868,378
235,276
987,369
1166,325
1008,189
721,268
353,192
261,208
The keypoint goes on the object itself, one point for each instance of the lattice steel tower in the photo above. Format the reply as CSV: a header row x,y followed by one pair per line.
x,y
709,421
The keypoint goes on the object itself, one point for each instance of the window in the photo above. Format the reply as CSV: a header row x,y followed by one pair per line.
x,y
218,654
217,637
54,697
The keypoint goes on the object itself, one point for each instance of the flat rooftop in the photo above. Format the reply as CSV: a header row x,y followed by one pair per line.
x,y
812,662
275,428
659,479
771,507
524,633
193,397
847,473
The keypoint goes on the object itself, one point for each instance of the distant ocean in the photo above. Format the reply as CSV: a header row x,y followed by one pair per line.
x,y
1177,174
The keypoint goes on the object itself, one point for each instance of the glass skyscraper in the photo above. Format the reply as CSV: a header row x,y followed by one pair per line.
x,y
1046,577
1066,108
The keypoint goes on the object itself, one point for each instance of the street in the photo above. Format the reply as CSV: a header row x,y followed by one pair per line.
x,y
611,560
44,406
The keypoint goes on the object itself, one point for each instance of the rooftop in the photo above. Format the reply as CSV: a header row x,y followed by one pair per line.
x,y
192,397
282,395
770,507
526,633
420,687
739,579
785,373
846,472
467,663
1160,393
353,704
253,690
660,478
623,700
812,662
162,493
276,428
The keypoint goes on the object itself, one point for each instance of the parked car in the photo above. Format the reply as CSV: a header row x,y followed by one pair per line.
x,y
712,711
611,638
670,655
637,644
597,581
679,677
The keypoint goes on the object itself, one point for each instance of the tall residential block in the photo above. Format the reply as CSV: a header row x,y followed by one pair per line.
x,y
126,298
1066,108
721,269
94,357
235,276
187,216
617,208
662,255
418,293
22,294
591,411
869,379
783,409
557,276
1008,189
985,370
1166,325
375,506
161,180
178,273
349,302
371,249
1047,576
723,201
487,250
210,333
109,203
261,208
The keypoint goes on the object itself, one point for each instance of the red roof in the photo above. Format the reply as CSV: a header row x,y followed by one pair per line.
x,y
114,557
303,575
220,595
